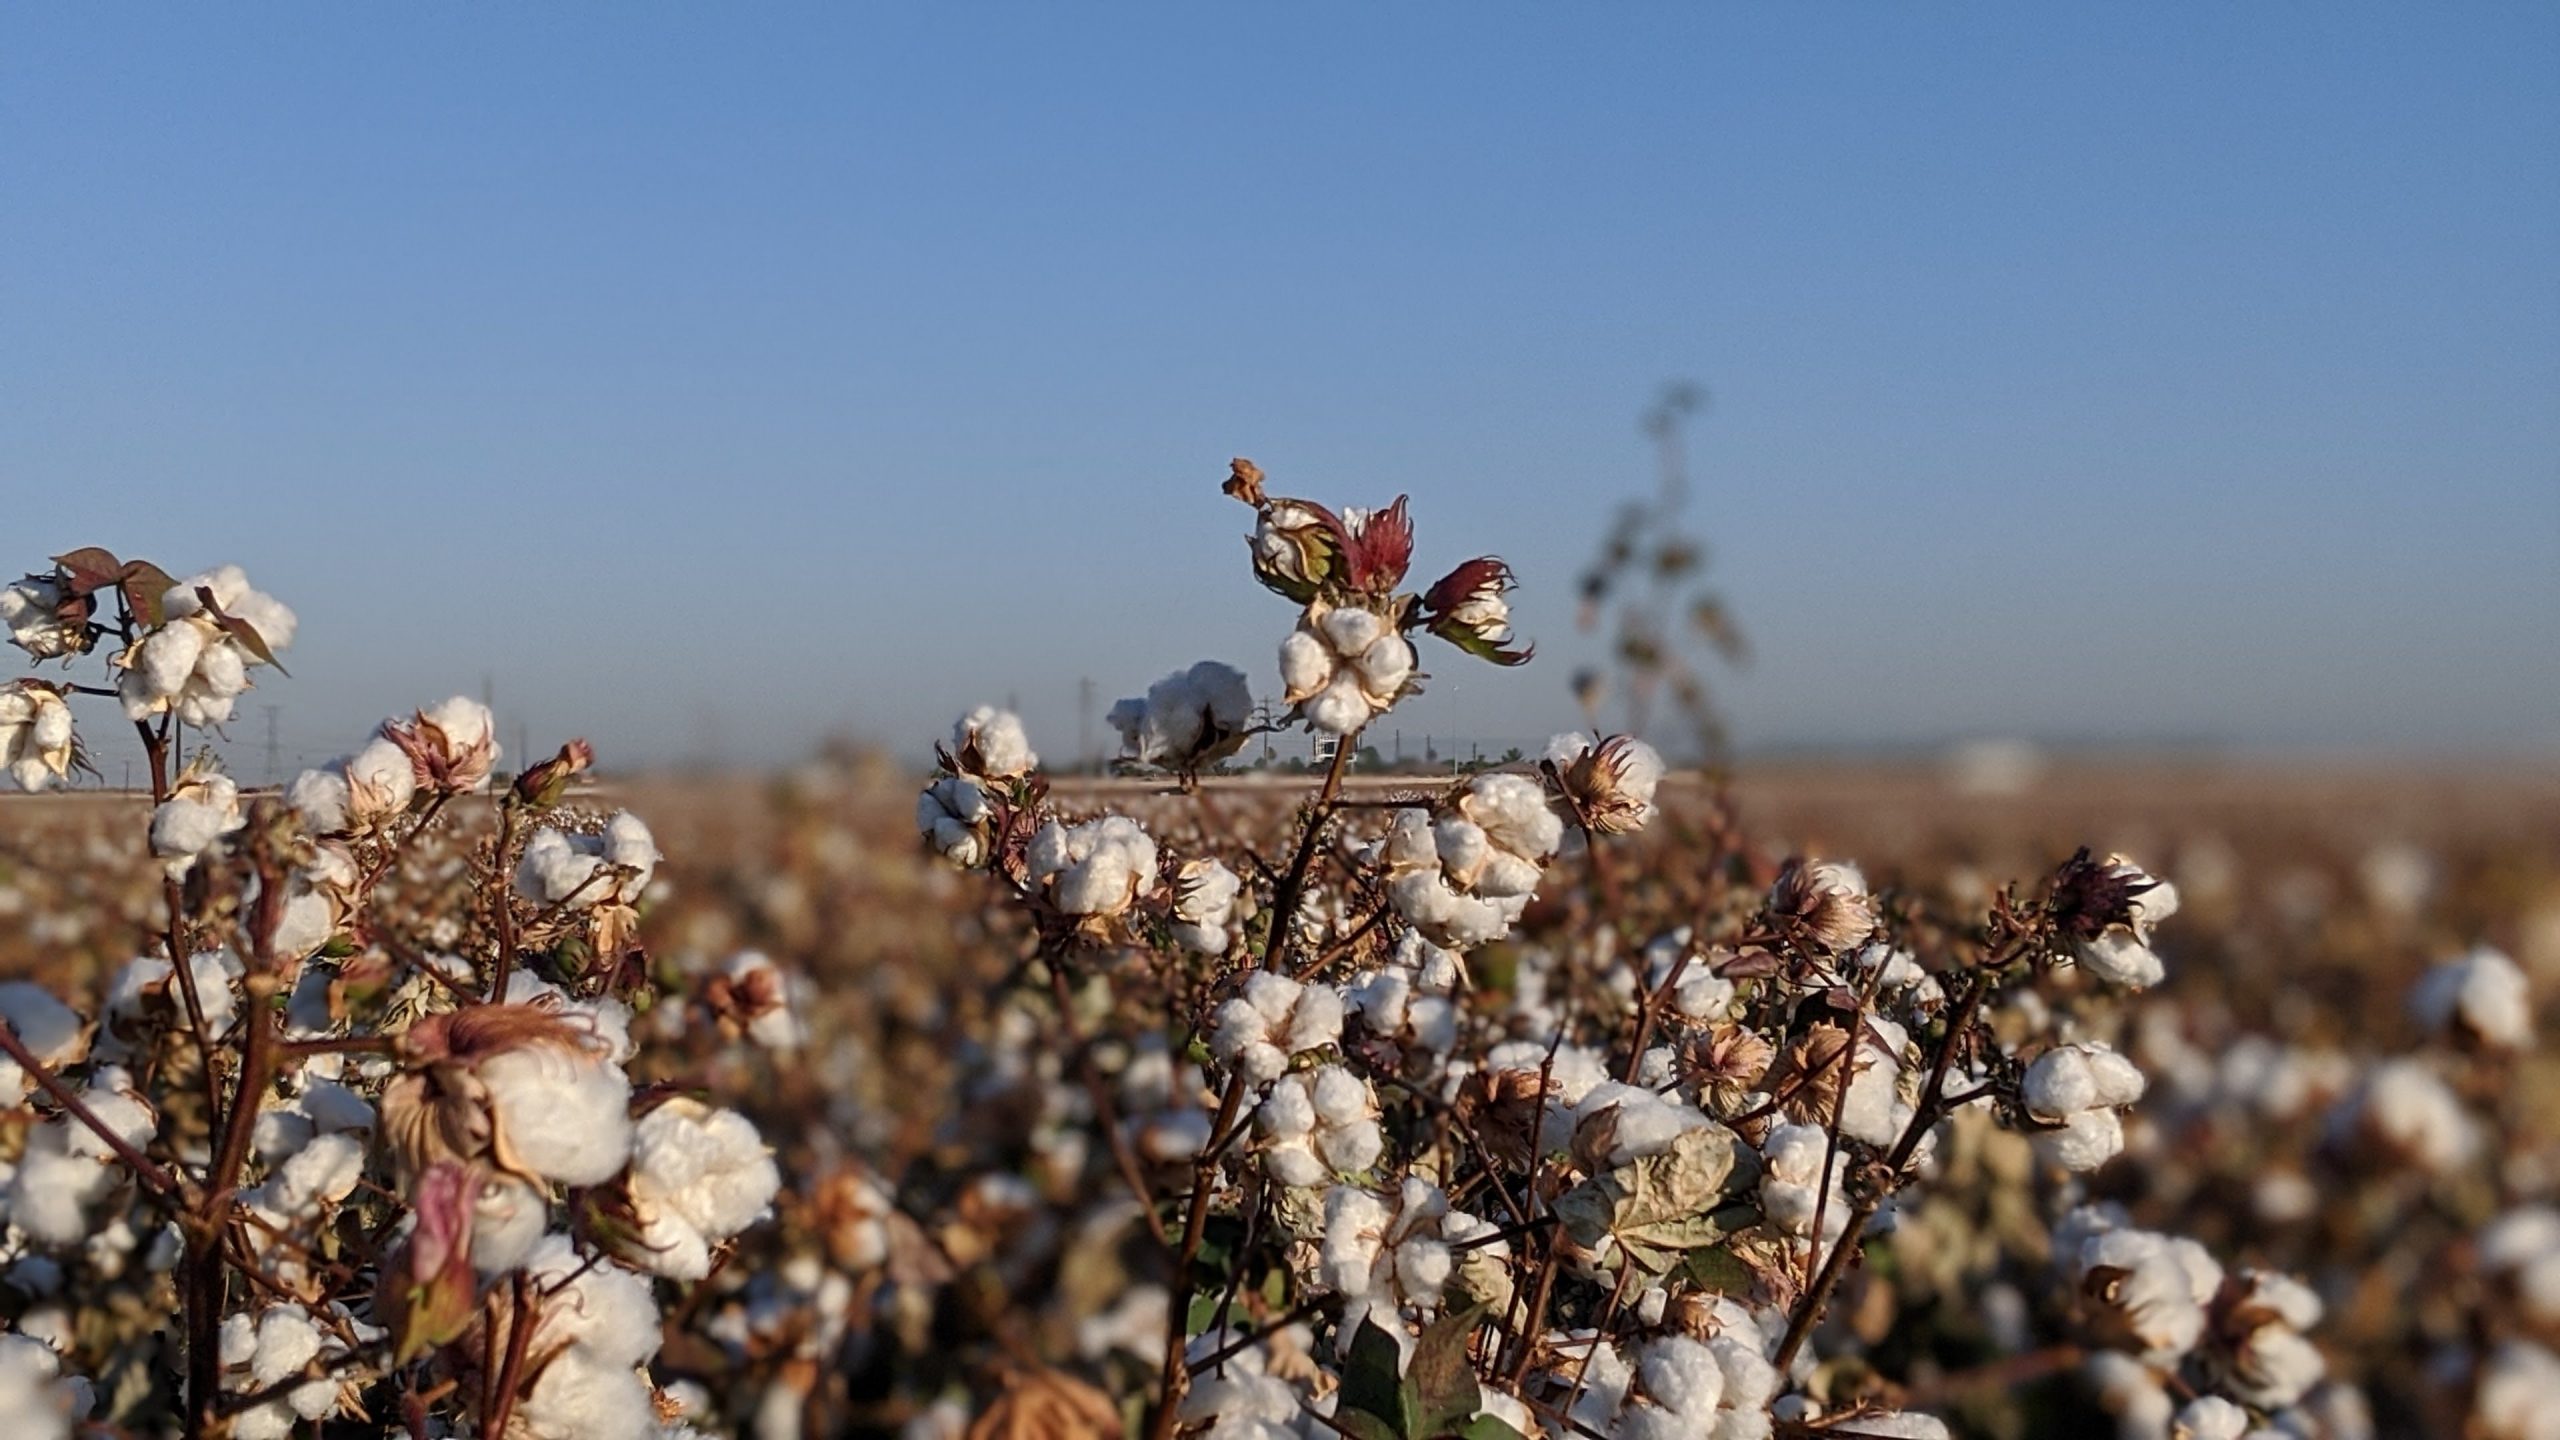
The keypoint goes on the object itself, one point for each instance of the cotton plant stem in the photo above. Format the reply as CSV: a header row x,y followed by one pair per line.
x,y
1291,893
1105,1113
1175,1379
1931,1110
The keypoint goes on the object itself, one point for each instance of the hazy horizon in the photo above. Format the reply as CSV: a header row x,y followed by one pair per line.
x,y
709,383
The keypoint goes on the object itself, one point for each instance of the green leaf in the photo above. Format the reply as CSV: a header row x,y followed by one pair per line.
x,y
1488,1427
1372,1384
1718,1272
1440,1386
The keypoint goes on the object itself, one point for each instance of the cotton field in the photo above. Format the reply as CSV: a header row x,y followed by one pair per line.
x,y
444,1092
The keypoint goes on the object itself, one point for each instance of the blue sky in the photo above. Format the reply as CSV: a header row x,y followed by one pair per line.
x,y
716,378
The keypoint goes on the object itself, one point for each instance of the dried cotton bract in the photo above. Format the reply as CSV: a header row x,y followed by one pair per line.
x,y
1609,785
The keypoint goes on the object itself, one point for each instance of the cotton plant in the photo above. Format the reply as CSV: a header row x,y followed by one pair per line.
x,y
1187,720
362,1122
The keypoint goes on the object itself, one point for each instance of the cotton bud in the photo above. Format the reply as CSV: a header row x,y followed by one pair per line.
x,y
989,743
2105,911
2481,998
1275,1018
432,1274
1302,550
1188,719
1099,868
542,786
698,1177
36,743
45,619
2075,1090
1469,609
1825,902
203,806
956,818
1610,785
1205,900
453,745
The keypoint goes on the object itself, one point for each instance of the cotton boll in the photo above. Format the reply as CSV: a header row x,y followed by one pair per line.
x,y
991,742
579,1396
380,783
560,1115
708,1166
1349,631
51,1031
322,798
2482,996
1681,1375
508,1219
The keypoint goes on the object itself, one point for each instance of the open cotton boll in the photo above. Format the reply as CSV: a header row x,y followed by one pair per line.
x,y
51,1031
322,798
2482,996
2154,1289
561,1115
706,1170
36,1400
508,1219
380,783
1800,1167
592,1305
579,1396
2077,1089
2406,1110
991,742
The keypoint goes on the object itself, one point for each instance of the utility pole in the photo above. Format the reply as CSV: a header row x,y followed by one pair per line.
x,y
275,750
1085,758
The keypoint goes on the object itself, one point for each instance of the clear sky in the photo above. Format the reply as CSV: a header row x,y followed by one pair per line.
x,y
716,377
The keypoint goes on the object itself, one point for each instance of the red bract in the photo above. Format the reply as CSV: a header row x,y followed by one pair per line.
x,y
1378,547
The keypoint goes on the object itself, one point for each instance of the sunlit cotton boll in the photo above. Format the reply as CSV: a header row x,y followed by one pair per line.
x,y
1100,867
2482,997
203,806
1186,718
37,1401
52,1032
990,742
698,1177
2076,1089
1273,1019
2404,1110
35,735
952,814
1319,1124
2121,953
583,871
1204,905
564,1114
